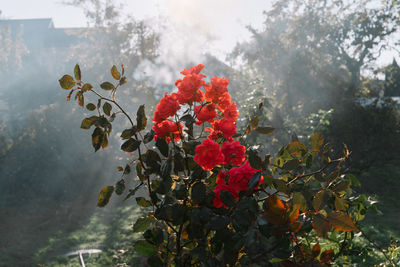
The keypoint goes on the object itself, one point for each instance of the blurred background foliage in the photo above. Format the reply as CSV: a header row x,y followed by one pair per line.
x,y
311,68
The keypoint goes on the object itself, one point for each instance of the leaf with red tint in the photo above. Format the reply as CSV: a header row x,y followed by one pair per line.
x,y
320,225
327,256
316,250
341,221
276,213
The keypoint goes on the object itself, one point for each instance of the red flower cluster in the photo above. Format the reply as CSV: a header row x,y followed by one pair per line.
x,y
217,109
205,113
167,130
238,181
233,153
189,87
167,107
208,154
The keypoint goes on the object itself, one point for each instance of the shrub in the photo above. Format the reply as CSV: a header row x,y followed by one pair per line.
x,y
211,200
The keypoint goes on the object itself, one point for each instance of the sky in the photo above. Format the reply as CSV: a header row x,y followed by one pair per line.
x,y
217,24
198,26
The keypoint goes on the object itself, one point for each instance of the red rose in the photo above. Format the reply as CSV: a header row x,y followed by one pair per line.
x,y
222,128
208,154
195,69
216,90
188,87
167,107
167,130
239,177
231,112
217,198
233,152
205,113
221,177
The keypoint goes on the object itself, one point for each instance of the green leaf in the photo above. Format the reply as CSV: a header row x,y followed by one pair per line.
x,y
218,222
128,133
77,72
107,108
353,180
81,99
142,224
141,201
291,164
115,73
97,138
255,179
162,145
90,107
341,186
198,193
299,201
86,87
67,82
107,86
148,137
227,198
190,146
87,123
127,169
141,118
122,81
120,187
104,196
130,145
309,161
265,130
317,140
254,160
166,167
145,248
341,221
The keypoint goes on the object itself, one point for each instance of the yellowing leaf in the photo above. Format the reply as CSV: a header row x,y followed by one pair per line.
x,y
299,201
104,196
296,149
341,204
317,140
67,82
293,215
115,73
276,213
318,199
341,221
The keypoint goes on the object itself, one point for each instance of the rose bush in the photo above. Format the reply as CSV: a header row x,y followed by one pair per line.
x,y
212,200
